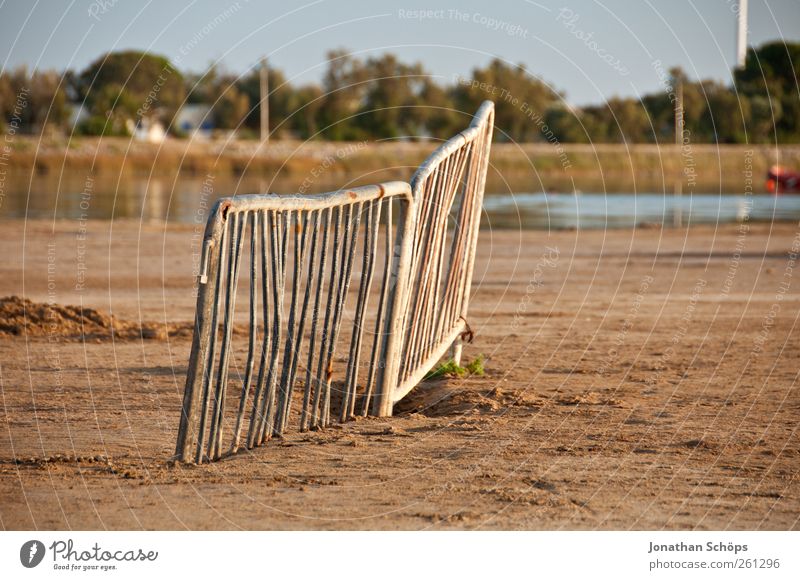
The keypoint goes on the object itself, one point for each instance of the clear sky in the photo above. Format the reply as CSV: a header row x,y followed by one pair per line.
x,y
590,49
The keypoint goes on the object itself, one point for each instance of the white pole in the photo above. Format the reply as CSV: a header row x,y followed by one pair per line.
x,y
741,36
677,217
264,102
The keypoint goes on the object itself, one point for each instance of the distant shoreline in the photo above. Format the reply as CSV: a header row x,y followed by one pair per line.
x,y
317,164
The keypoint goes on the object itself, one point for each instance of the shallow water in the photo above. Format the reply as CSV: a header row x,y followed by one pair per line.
x,y
624,210
187,200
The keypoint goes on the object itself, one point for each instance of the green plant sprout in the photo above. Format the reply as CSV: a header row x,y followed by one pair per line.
x,y
450,368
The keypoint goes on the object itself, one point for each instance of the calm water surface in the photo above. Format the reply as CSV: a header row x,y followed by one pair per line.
x,y
624,210
183,200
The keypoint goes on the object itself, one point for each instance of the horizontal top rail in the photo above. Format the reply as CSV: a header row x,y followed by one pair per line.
x,y
453,144
310,202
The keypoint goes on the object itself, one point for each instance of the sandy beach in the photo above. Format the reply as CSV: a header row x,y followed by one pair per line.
x,y
635,379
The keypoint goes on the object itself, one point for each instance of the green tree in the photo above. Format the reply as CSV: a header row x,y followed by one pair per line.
x,y
725,117
305,116
567,124
230,107
598,122
113,109
199,88
630,122
149,80
48,101
771,72
392,96
37,99
219,90
521,99
14,99
764,116
437,111
344,88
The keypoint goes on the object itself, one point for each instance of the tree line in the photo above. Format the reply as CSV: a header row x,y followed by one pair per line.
x,y
381,97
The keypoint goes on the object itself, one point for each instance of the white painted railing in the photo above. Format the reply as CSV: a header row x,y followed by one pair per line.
x,y
447,191
374,272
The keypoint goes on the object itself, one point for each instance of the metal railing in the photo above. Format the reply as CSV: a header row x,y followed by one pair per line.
x,y
382,257
448,187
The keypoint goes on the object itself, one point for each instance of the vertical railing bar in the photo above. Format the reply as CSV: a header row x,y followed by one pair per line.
x,y
474,223
289,348
256,415
215,434
467,227
271,325
423,267
348,251
331,344
321,365
438,236
310,379
419,243
185,448
457,251
298,337
251,345
424,209
367,271
329,353
469,220
434,321
388,380
420,227
373,250
278,245
209,371
424,263
351,360
379,337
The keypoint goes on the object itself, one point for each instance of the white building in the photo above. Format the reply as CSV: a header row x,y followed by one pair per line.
x,y
195,120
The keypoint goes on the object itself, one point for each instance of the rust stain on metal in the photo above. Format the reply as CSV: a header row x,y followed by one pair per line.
x,y
329,371
352,194
382,191
467,335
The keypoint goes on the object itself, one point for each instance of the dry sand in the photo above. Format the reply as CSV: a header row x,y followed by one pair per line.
x,y
636,379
